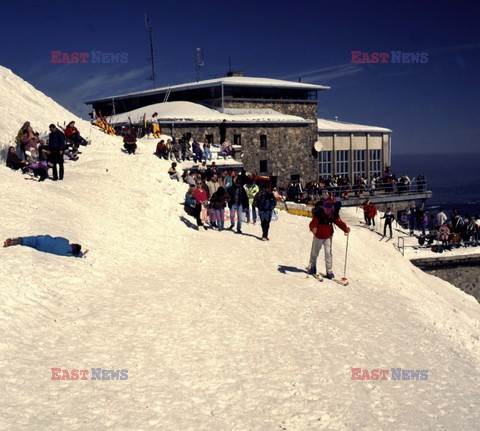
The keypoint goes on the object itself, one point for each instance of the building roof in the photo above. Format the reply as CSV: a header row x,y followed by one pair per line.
x,y
340,126
239,81
189,112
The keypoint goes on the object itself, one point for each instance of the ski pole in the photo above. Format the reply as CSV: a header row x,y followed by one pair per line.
x,y
346,254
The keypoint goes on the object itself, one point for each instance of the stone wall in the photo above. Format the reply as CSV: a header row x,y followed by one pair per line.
x,y
307,110
288,152
289,146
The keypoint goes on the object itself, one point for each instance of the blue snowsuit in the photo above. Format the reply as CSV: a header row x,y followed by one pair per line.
x,y
58,245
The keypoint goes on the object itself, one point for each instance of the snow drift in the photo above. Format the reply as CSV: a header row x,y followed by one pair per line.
x,y
216,330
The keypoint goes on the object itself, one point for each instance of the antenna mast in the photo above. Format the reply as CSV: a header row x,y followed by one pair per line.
x,y
198,61
149,28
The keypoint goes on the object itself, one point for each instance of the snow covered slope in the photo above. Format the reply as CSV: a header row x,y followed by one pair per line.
x,y
217,330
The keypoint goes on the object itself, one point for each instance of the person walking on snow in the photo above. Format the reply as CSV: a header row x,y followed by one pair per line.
x,y
265,202
321,227
238,201
371,214
252,189
389,217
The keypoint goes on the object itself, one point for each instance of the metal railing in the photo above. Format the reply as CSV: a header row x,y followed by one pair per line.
x,y
449,246
354,192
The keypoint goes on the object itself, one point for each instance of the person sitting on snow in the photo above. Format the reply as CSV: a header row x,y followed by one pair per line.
x,y
47,244
130,142
72,133
226,150
162,150
176,151
40,169
14,162
173,172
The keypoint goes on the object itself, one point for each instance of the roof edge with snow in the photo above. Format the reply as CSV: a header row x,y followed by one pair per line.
x,y
236,81
325,125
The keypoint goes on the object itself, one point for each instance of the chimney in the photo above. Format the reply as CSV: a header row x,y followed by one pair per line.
x,y
238,73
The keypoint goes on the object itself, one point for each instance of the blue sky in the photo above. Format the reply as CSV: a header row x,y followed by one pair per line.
x,y
431,107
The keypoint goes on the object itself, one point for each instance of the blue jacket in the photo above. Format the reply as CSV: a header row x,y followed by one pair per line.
x,y
56,141
58,245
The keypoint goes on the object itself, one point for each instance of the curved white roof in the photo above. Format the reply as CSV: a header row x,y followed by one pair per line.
x,y
194,113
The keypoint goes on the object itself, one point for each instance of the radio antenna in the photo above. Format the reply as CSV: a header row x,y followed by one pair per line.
x,y
149,28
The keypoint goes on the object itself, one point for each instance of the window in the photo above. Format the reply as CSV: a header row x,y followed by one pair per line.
x,y
295,178
325,163
263,165
210,138
263,142
237,139
375,162
343,165
359,166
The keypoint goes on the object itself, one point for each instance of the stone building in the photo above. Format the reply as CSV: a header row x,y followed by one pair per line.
x,y
274,121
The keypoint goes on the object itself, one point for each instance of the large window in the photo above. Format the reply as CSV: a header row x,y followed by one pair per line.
x,y
359,163
375,162
343,162
325,163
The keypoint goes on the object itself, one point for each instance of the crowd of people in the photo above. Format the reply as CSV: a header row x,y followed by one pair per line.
x,y
37,156
188,148
451,232
344,187
431,229
212,191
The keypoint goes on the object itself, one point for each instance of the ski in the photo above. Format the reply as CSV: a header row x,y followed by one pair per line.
x,y
341,281
317,277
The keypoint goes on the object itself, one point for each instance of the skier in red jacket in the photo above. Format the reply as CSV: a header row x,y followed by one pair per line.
x,y
322,228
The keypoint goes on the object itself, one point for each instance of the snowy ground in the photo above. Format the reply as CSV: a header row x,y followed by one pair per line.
x,y
217,330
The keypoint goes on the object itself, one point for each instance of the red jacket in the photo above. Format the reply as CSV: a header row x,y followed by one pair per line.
x,y
371,211
200,195
325,231
70,130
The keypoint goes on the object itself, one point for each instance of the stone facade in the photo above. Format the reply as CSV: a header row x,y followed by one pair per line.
x,y
307,110
288,150
288,146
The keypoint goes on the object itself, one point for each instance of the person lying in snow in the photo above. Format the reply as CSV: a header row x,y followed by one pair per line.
x,y
47,244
